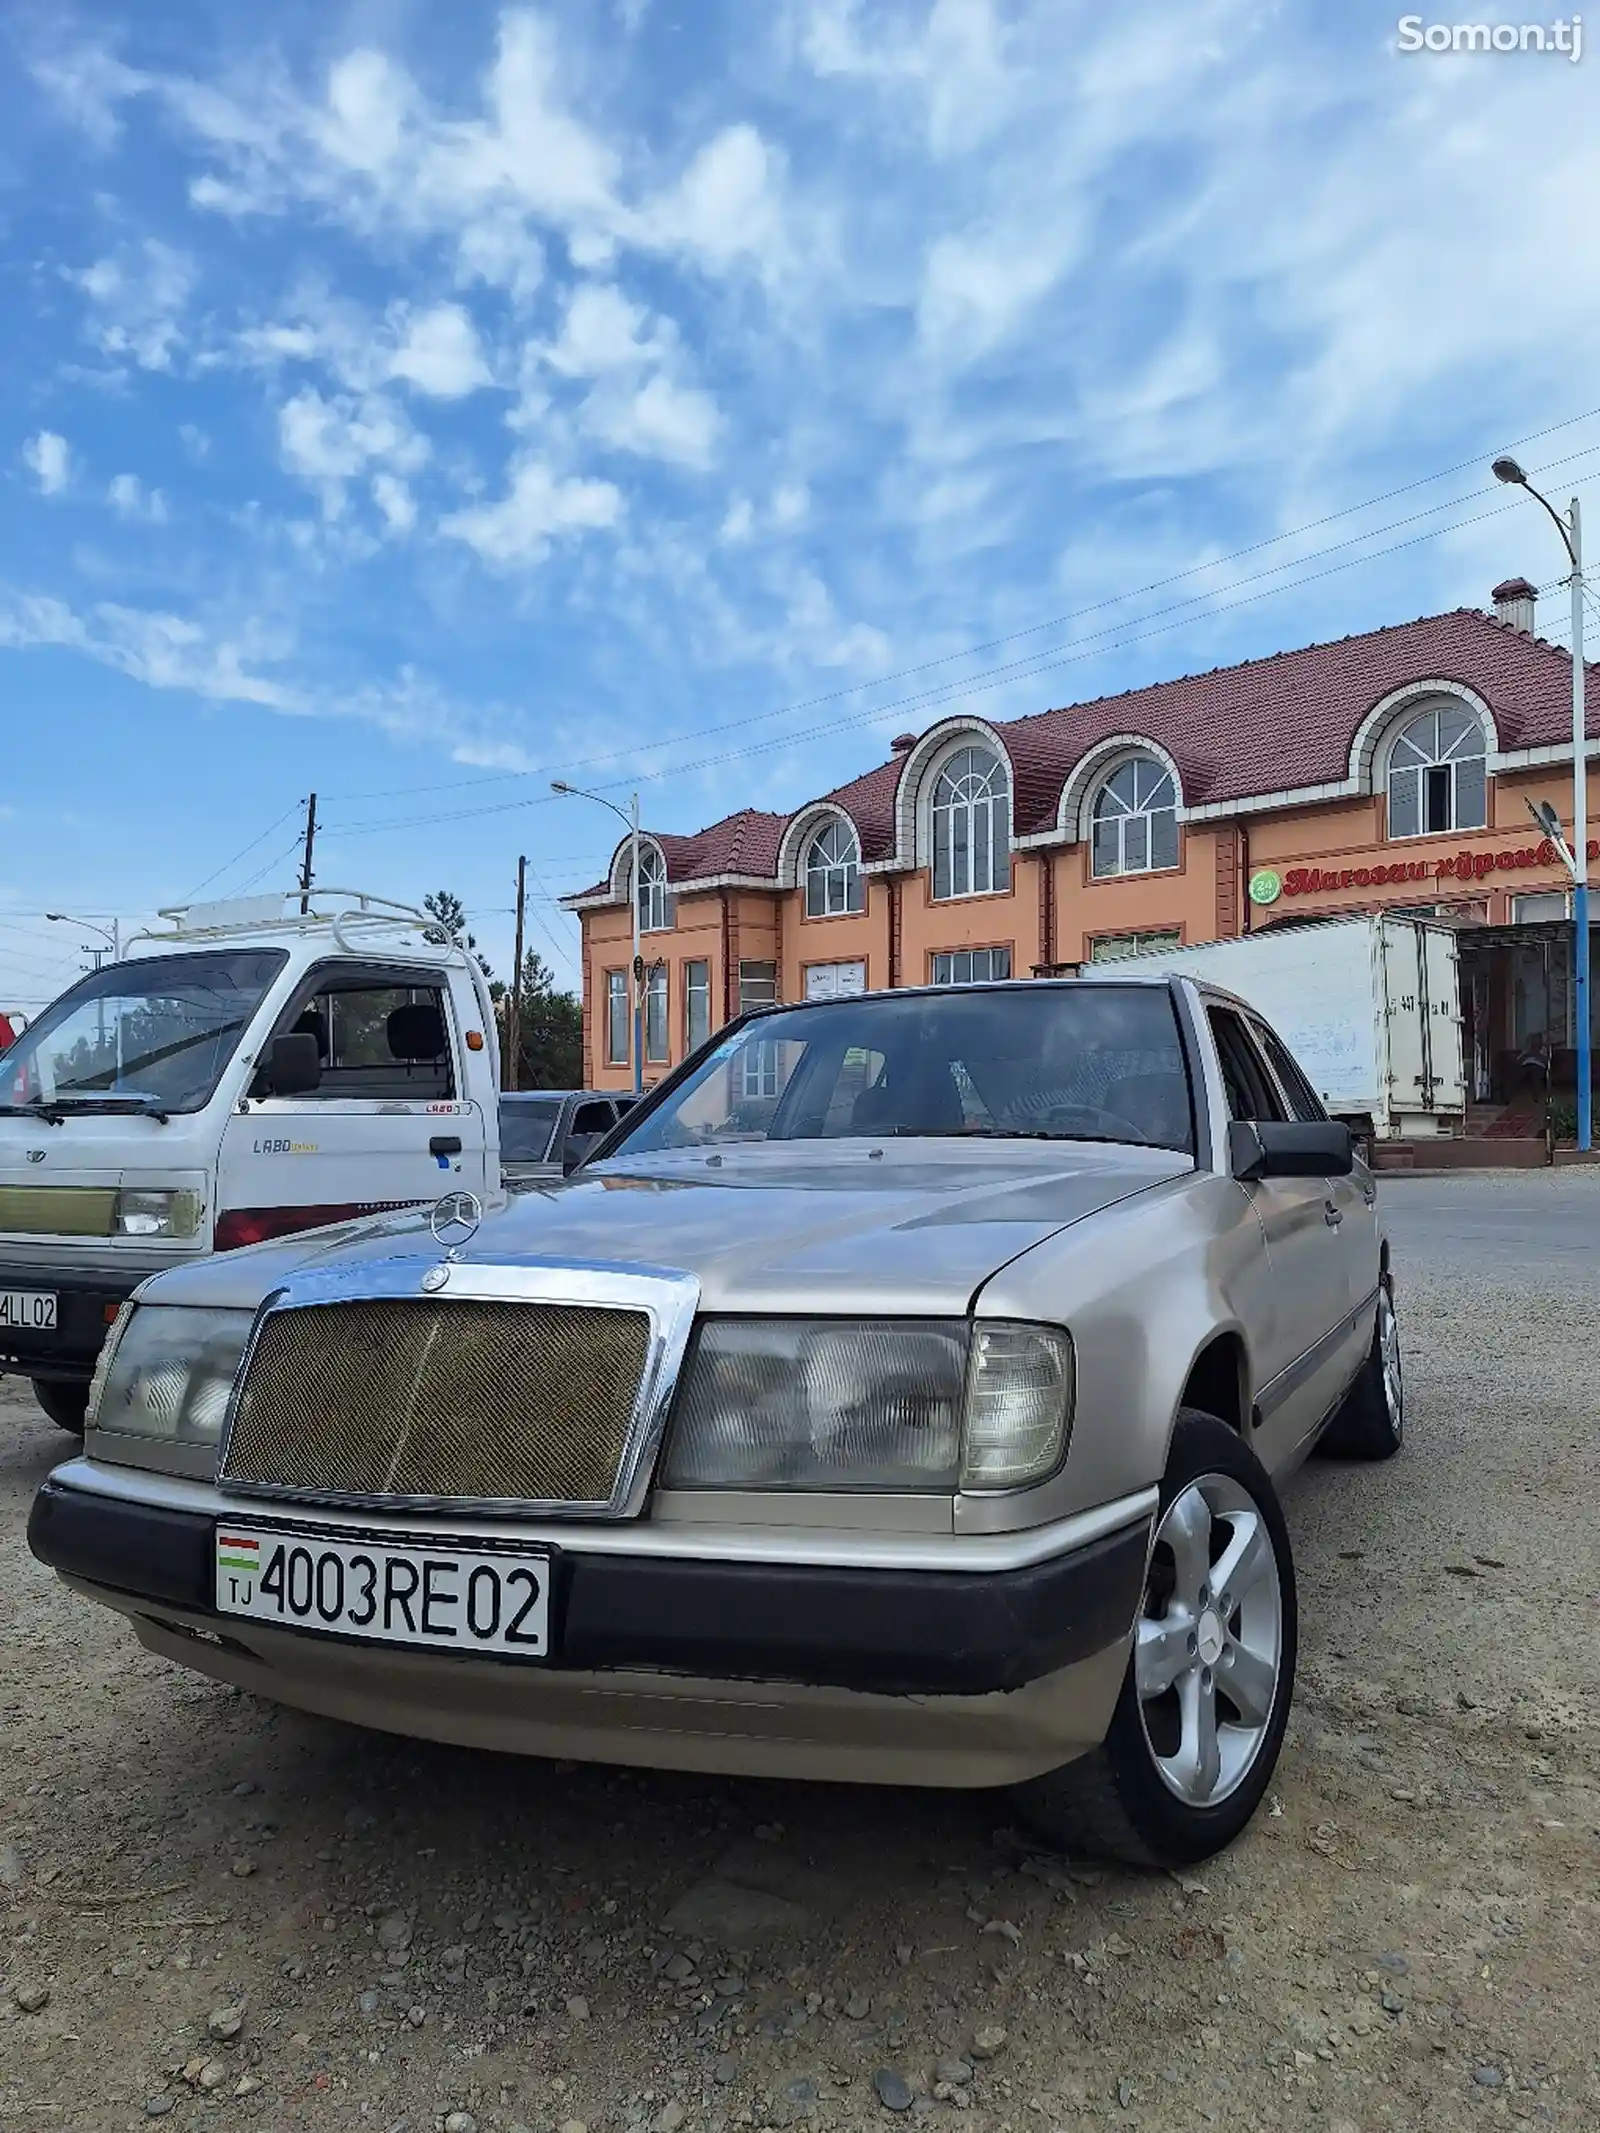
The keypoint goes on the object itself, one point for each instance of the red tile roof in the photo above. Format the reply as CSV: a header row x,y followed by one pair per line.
x,y
1272,725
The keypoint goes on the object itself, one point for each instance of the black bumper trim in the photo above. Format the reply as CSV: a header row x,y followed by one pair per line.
x,y
890,1632
83,1295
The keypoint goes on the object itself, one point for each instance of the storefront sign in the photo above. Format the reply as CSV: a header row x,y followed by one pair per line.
x,y
1461,866
1266,886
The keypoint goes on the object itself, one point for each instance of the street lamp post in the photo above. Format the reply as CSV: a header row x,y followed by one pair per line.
x,y
636,970
1570,529
113,938
114,941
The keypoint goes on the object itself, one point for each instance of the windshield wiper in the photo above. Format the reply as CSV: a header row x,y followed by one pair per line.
x,y
136,1103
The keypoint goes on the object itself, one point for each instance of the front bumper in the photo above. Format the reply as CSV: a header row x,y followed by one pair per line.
x,y
765,1667
87,1299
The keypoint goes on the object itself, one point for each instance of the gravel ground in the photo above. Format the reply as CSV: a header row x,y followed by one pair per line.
x,y
213,1913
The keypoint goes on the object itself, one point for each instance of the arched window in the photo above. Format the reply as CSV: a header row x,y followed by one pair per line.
x,y
833,871
971,825
1135,820
1438,774
652,890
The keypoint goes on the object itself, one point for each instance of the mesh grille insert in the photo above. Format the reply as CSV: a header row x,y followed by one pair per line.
x,y
498,1401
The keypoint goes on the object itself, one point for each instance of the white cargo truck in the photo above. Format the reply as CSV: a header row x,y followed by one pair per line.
x,y
1370,1007
244,1071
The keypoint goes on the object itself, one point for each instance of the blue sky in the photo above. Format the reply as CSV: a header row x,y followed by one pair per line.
x,y
413,403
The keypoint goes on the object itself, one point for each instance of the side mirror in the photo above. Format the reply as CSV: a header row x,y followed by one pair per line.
x,y
1274,1148
578,1146
290,1066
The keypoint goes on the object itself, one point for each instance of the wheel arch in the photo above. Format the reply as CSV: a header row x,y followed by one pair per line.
x,y
1217,1380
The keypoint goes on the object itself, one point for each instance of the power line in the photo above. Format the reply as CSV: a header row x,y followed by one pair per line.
x,y
1035,629
1165,620
217,872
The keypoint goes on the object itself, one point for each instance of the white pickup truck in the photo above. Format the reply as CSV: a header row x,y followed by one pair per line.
x,y
244,1072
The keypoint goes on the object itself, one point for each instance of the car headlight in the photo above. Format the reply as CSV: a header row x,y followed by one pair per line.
x,y
884,1404
169,1371
142,1212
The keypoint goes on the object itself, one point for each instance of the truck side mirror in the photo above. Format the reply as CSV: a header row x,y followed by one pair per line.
x,y
1278,1148
290,1066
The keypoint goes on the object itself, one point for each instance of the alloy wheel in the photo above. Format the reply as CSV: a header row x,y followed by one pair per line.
x,y
1208,1658
1394,1390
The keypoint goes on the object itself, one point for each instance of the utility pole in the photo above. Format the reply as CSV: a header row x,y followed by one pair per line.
x,y
514,1005
1576,859
306,876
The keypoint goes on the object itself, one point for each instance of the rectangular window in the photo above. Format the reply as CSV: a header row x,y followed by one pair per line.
x,y
971,966
835,981
1405,803
1438,813
696,1004
1112,947
617,1035
761,1072
1540,908
758,986
381,1040
655,1016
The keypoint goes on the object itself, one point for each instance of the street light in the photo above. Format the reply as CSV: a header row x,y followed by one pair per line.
x,y
1570,529
636,973
114,937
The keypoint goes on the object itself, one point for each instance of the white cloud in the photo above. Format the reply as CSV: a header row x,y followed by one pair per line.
x,y
660,420
600,332
164,651
726,206
440,354
330,442
395,501
539,507
48,457
791,503
130,499
739,522
370,150
137,299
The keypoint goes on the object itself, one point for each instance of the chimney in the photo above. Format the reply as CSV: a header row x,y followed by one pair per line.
x,y
1513,604
903,742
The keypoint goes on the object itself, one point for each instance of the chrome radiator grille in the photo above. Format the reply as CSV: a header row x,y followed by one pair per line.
x,y
436,1401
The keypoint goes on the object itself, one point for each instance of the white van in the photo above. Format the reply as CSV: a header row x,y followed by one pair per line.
x,y
246,1071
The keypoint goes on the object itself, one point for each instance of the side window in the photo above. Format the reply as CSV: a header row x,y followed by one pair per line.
x,y
381,1041
592,1118
1244,1075
1303,1099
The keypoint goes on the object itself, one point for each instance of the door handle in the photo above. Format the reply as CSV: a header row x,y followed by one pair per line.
x,y
445,1144
1332,1214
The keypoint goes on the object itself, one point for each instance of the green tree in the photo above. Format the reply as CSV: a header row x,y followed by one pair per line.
x,y
552,1030
451,912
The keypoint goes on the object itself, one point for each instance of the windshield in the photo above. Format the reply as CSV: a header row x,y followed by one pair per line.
x,y
1047,1062
527,1128
154,1034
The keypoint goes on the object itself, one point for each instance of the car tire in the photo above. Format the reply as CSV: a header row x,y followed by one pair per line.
x,y
1371,1422
1154,1793
66,1404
